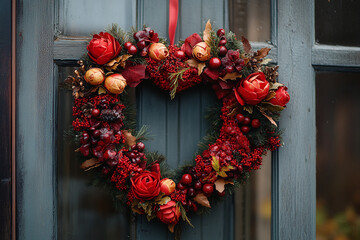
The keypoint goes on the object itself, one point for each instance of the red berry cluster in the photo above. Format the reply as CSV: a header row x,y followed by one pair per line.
x,y
159,71
144,38
100,136
136,155
246,122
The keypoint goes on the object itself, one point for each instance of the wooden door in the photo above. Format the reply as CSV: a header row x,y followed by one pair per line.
x,y
51,36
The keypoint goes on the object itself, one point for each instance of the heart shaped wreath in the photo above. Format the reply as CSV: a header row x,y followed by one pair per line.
x,y
243,130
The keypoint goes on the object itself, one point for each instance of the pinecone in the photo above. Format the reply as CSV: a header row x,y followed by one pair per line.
x,y
271,73
110,115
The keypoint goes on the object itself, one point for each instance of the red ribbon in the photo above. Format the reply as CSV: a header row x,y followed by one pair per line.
x,y
173,16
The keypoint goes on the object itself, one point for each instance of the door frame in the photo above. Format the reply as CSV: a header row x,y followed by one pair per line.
x,y
293,169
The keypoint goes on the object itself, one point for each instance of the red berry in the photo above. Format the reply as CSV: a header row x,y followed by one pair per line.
x,y
222,51
255,123
85,150
198,185
151,32
246,121
228,129
112,163
245,129
180,54
132,155
208,188
240,168
220,32
240,117
95,112
215,63
141,44
132,50
105,170
191,192
96,133
140,146
144,52
127,45
233,132
84,140
222,42
181,186
214,148
186,179
230,69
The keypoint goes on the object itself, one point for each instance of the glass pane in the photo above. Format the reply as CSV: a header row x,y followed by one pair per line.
x,y
253,205
250,19
84,17
337,22
84,212
338,156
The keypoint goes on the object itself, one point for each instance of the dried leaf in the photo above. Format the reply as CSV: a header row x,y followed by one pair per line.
x,y
220,184
215,164
231,76
171,227
202,200
262,53
192,63
183,214
234,112
201,66
102,90
114,63
248,108
90,164
207,32
223,170
163,200
275,86
272,107
266,61
270,95
268,117
130,140
246,44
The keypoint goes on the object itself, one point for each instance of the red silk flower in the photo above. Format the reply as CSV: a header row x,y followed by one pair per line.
x,y
169,213
146,185
281,98
253,89
103,47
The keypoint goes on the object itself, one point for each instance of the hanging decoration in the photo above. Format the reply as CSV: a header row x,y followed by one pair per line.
x,y
243,128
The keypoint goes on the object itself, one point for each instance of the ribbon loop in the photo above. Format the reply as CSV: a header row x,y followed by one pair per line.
x,y
173,16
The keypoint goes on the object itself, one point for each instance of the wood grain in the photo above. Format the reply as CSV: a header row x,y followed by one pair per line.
x,y
35,153
5,121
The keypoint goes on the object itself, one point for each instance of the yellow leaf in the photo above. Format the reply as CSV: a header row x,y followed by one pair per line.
x,y
248,108
233,112
231,76
114,63
266,61
171,227
102,90
270,95
164,200
275,86
215,164
202,200
201,66
90,164
207,32
192,63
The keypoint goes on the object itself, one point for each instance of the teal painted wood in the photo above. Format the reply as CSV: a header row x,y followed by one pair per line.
x,y
294,181
178,125
35,148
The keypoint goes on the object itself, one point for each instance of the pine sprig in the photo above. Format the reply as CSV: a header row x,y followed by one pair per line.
x,y
174,81
118,33
233,43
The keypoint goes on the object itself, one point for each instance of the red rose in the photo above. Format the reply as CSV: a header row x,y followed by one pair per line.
x,y
169,213
146,185
103,47
253,89
189,43
281,98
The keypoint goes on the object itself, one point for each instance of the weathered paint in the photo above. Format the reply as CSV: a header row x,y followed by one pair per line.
x,y
35,152
294,173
